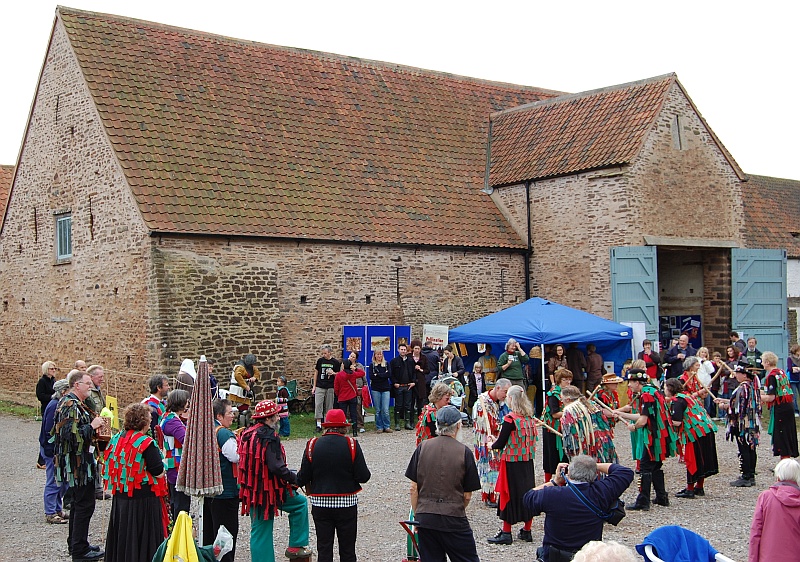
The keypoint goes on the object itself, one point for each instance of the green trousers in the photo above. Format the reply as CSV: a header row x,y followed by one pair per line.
x,y
262,548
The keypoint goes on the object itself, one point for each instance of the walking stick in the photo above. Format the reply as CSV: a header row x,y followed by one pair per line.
x,y
540,422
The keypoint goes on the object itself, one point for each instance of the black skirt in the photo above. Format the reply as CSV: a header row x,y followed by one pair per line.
x,y
784,432
550,458
520,480
135,529
705,453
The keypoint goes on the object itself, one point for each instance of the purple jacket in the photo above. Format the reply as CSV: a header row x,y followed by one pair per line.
x,y
174,427
775,531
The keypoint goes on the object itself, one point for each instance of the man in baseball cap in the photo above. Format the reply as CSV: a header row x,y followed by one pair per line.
x,y
439,503
265,488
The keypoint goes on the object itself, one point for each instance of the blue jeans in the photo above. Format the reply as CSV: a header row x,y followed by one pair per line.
x,y
796,391
285,427
380,401
53,491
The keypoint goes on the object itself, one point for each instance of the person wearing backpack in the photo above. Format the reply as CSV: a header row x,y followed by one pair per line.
x,y
332,470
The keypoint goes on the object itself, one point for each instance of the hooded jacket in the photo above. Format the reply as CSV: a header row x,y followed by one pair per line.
x,y
775,531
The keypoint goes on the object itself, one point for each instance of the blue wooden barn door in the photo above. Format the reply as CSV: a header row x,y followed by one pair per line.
x,y
759,306
634,286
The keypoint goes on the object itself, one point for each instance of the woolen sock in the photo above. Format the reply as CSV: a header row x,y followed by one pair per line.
x,y
506,527
527,525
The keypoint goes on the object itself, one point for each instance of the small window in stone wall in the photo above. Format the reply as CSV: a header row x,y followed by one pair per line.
x,y
64,237
678,140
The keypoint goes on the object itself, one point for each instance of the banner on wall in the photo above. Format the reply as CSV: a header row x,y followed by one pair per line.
x,y
435,335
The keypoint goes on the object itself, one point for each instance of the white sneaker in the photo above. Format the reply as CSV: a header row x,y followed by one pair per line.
x,y
361,430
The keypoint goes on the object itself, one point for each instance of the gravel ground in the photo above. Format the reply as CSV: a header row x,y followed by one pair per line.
x,y
723,515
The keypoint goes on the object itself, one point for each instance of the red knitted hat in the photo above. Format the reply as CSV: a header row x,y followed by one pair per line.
x,y
266,409
335,418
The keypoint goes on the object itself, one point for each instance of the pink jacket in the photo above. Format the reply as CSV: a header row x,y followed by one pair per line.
x,y
775,532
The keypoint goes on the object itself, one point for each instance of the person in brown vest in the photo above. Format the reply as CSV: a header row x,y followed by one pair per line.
x,y
443,476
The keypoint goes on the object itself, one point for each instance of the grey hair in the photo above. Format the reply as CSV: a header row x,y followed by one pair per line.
x,y
511,341
598,551
788,470
325,346
689,361
448,430
502,383
769,358
583,468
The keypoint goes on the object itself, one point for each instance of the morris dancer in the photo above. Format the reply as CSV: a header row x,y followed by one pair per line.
x,y
426,424
135,478
778,396
653,437
488,415
689,379
608,394
552,446
266,486
586,429
744,423
517,443
697,444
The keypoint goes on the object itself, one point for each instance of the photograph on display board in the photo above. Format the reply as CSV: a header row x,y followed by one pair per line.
x,y
353,344
380,343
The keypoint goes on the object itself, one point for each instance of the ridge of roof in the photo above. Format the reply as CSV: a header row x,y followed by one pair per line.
x,y
585,94
369,63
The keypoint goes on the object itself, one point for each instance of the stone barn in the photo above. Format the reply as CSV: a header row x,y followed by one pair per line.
x,y
179,193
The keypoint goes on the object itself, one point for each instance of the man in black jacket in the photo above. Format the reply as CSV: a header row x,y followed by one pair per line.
x,y
677,354
332,470
403,379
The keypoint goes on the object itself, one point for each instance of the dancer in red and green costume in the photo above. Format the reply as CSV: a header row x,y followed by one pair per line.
x,y
135,477
697,445
586,429
488,415
552,445
777,395
267,486
653,436
426,428
691,384
517,443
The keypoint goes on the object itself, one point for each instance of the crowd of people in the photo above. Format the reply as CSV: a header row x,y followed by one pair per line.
x,y
669,412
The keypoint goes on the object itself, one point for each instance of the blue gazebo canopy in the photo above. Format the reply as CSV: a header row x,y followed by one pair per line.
x,y
538,321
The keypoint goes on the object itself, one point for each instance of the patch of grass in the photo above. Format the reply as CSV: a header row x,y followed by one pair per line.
x,y
20,410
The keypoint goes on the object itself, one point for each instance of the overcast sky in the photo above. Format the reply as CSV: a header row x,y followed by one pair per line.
x,y
737,60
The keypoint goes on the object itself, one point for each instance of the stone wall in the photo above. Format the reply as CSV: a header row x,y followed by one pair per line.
x,y
717,298
298,295
92,307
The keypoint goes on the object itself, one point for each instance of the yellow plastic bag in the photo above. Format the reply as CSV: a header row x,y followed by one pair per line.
x,y
180,546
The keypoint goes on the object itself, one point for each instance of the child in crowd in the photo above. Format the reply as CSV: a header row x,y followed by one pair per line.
x,y
282,397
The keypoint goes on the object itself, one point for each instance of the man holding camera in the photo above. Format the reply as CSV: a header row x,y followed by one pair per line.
x,y
569,523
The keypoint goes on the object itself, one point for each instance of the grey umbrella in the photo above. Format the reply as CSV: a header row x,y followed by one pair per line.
x,y
199,474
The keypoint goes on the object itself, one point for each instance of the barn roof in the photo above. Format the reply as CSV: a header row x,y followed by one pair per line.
x,y
231,137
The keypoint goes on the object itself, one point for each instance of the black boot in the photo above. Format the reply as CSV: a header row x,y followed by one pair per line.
x,y
501,538
396,422
662,497
409,424
643,499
